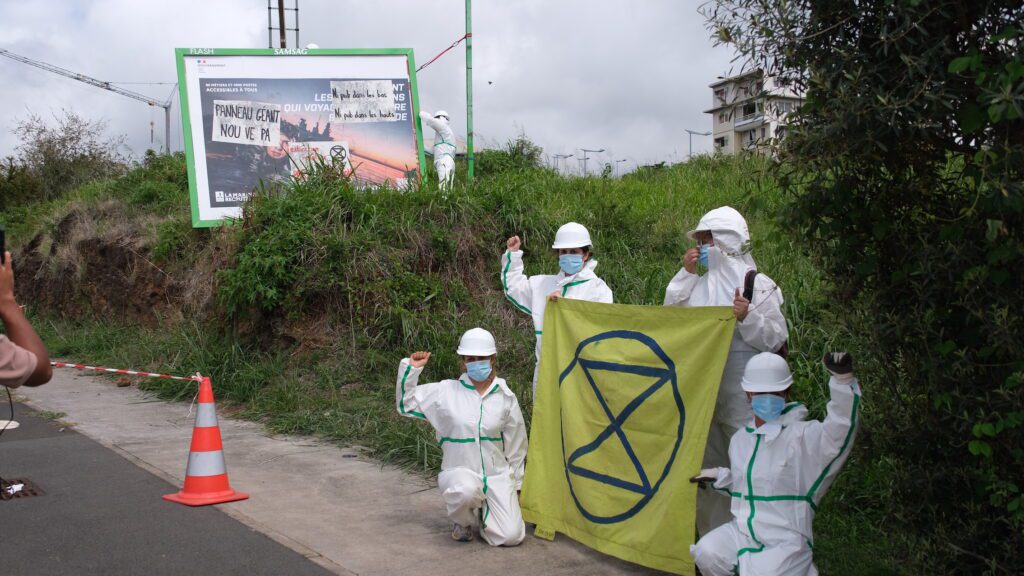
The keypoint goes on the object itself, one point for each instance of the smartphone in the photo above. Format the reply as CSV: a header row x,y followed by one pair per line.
x,y
3,245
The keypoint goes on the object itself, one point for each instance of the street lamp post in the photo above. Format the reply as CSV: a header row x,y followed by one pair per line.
x,y
617,166
560,157
691,133
585,151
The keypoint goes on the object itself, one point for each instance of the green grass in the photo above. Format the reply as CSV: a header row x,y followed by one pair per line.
x,y
50,415
325,288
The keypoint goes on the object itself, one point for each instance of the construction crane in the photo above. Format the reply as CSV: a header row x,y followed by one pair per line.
x,y
106,86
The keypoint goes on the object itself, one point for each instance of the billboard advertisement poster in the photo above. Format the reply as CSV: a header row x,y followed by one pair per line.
x,y
252,117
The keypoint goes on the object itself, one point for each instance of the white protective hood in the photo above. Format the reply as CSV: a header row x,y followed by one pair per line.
x,y
728,259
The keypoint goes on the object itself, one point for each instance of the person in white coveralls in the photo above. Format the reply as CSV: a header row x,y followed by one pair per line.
x,y
780,466
482,434
722,250
575,280
444,146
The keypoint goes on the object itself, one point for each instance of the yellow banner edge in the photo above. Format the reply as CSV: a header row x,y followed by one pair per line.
x,y
683,566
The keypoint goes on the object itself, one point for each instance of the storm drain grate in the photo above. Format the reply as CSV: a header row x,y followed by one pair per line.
x,y
28,489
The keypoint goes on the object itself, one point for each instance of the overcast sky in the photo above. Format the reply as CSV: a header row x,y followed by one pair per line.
x,y
629,77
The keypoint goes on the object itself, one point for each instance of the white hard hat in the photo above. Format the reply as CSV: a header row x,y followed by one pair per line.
x,y
766,372
440,113
477,342
312,46
572,235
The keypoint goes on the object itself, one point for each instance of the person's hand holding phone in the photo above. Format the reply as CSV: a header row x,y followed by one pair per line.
x,y
7,282
6,272
17,327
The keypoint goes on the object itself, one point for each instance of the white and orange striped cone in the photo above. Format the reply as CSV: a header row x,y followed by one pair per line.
x,y
206,477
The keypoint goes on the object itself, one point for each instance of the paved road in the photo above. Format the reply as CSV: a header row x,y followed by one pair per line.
x,y
101,514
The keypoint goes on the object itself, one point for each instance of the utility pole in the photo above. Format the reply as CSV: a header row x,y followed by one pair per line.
x,y
560,157
282,23
585,151
691,133
106,86
617,166
469,89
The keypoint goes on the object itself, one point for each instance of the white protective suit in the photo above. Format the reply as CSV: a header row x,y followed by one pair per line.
x,y
483,440
530,294
778,475
763,330
444,148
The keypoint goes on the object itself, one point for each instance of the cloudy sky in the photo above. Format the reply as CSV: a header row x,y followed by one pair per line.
x,y
628,77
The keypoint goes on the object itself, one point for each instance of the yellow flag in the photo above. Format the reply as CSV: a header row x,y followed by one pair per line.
x,y
623,407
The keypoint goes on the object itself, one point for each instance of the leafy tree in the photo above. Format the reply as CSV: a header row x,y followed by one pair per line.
x,y
904,167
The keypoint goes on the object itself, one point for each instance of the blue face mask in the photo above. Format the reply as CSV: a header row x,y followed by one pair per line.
x,y
703,258
479,371
768,407
570,263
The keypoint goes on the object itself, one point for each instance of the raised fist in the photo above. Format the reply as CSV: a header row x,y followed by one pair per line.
x,y
419,359
838,363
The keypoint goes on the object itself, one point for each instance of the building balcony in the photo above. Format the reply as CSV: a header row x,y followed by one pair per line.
x,y
750,119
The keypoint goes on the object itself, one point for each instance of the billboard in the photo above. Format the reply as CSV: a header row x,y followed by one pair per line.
x,y
264,115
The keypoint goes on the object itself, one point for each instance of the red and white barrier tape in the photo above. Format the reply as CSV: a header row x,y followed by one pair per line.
x,y
196,378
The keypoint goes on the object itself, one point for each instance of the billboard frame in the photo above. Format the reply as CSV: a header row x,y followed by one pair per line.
x,y
181,53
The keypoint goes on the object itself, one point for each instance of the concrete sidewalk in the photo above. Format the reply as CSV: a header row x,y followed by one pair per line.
x,y
341,510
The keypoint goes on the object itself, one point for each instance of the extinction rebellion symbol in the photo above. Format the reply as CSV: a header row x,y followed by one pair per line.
x,y
339,155
601,495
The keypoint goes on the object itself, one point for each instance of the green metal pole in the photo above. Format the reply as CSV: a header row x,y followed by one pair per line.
x,y
469,88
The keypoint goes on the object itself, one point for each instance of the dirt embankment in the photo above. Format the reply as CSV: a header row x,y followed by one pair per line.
x,y
94,262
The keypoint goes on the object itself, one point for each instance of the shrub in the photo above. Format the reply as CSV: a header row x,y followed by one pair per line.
x,y
18,184
68,154
519,154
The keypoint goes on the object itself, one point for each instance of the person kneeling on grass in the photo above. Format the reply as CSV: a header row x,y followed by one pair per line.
x,y
779,470
483,439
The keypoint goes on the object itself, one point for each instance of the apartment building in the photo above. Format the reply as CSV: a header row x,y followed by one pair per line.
x,y
748,110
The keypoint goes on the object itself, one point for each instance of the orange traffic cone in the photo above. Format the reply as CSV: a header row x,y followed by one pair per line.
x,y
206,478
